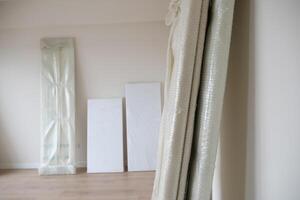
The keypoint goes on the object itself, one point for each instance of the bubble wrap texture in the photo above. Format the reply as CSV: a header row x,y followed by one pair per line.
x,y
182,174
57,107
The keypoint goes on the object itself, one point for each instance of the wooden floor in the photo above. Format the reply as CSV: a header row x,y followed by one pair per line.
x,y
28,185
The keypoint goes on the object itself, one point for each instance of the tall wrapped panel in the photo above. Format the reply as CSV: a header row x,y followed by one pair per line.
x,y
57,107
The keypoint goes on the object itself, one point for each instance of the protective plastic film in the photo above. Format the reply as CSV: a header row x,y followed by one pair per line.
x,y
57,107
195,80
210,100
188,20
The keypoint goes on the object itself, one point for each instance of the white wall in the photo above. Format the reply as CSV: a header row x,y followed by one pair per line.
x,y
37,13
273,159
108,55
260,143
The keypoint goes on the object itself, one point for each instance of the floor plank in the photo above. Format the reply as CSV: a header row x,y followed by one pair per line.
x,y
28,185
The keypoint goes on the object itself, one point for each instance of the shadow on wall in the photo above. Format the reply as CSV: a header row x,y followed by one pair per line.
x,y
234,127
4,142
81,112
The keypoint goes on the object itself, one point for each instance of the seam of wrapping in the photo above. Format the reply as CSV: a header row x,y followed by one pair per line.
x,y
194,91
209,95
196,115
171,20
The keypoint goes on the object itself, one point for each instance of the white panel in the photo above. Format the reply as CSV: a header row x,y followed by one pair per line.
x,y
105,136
143,112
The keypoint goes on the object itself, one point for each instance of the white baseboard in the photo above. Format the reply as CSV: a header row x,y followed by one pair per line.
x,y
79,164
19,165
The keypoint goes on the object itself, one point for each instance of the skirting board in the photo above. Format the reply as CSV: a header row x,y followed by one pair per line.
x,y
19,165
80,164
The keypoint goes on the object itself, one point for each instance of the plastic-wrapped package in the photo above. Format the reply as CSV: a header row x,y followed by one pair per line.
x,y
195,82
57,107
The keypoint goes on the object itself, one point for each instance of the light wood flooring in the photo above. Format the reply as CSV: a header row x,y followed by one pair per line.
x,y
28,185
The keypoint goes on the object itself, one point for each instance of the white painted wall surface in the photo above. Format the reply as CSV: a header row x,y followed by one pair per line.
x,y
273,146
37,13
108,55
260,143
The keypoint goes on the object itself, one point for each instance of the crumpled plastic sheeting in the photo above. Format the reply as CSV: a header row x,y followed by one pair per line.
x,y
182,174
57,107
186,42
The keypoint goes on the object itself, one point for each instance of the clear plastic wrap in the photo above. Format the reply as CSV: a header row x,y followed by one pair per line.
x,y
194,88
57,107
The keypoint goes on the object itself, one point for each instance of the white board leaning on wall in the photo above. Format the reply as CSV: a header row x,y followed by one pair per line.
x,y
143,113
105,136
